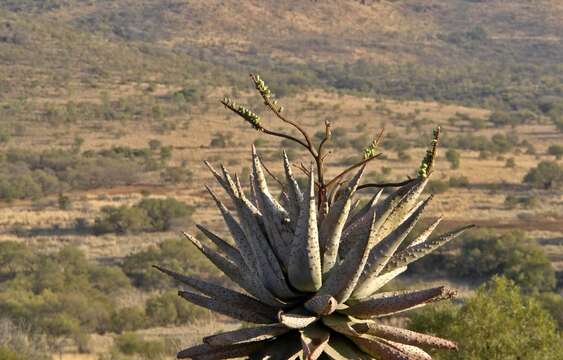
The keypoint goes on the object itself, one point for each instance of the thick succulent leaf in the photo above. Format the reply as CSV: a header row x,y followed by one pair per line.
x,y
219,292
222,263
267,264
253,192
382,253
235,309
245,279
344,278
254,287
335,192
209,352
388,303
321,304
295,196
227,249
260,180
340,348
284,201
245,335
236,231
276,218
397,206
340,323
404,207
358,213
425,234
333,224
370,287
357,230
412,352
287,346
404,336
411,254
241,196
297,319
314,340
304,269
381,350
224,184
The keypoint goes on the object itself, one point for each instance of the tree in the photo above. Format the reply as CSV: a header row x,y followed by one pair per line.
x,y
548,174
496,323
453,157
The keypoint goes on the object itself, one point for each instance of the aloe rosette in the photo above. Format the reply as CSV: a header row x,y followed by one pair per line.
x,y
308,266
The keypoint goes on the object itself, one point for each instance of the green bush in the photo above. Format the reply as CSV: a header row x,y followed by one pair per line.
x,y
131,344
555,150
162,212
169,308
7,354
128,319
28,174
547,175
121,220
453,157
526,201
147,215
459,181
482,254
496,323
60,294
510,163
512,254
175,254
437,186
553,302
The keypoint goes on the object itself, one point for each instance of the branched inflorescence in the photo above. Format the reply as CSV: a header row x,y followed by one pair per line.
x,y
309,264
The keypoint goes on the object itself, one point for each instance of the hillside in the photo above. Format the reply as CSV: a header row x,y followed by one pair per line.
x,y
463,51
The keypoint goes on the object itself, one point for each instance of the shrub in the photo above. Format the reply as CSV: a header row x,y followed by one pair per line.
x,y
555,150
513,201
510,163
174,254
512,254
131,344
458,181
154,144
169,308
162,212
147,215
453,157
485,253
64,202
553,302
121,220
437,187
7,354
496,323
176,175
547,174
62,294
128,319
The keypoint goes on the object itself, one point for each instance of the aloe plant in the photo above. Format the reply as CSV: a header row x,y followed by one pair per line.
x,y
308,266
